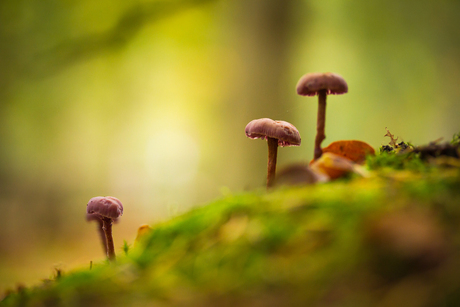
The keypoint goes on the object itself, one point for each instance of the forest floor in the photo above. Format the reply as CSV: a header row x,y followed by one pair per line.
x,y
391,238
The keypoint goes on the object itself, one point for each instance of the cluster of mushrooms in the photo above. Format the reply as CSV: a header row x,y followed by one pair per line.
x,y
281,133
325,165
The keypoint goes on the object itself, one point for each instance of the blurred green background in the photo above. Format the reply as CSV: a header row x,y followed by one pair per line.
x,y
147,101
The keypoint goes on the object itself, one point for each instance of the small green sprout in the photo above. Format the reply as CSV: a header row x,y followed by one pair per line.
x,y
456,139
126,247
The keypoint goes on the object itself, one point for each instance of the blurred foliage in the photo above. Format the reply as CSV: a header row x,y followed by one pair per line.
x,y
59,49
147,100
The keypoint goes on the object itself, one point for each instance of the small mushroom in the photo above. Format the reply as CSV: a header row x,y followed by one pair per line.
x,y
107,209
299,175
277,133
95,217
321,84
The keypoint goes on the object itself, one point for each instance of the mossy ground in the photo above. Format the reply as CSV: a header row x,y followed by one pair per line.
x,y
392,239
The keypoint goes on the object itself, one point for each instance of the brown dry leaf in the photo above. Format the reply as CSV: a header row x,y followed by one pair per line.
x,y
353,150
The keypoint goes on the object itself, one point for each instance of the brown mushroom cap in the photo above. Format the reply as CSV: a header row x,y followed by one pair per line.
x,y
311,83
298,174
284,132
108,206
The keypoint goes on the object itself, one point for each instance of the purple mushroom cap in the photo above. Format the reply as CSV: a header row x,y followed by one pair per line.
x,y
284,132
310,84
107,206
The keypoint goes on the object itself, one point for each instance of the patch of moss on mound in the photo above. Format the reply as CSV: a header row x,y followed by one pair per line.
x,y
393,238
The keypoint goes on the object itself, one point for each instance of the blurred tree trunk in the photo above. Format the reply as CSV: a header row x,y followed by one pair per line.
x,y
263,46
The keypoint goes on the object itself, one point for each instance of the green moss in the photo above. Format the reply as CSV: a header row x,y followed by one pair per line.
x,y
398,161
319,245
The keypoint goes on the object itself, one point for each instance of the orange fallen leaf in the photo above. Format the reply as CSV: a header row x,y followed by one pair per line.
x,y
353,150
332,165
335,166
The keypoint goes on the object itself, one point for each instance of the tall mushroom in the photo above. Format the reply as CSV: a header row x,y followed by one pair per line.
x,y
95,217
321,84
277,133
100,225
107,209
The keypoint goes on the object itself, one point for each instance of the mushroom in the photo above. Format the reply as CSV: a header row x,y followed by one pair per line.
x,y
299,174
107,209
95,217
321,84
277,133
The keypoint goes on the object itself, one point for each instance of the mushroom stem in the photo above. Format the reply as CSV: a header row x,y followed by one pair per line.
x,y
321,121
100,230
107,227
272,155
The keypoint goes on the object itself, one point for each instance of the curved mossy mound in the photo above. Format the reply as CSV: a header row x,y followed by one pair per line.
x,y
392,239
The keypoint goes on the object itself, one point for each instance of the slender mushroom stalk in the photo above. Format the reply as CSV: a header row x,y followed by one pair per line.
x,y
107,209
320,123
321,84
100,230
107,227
277,133
272,156
100,225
